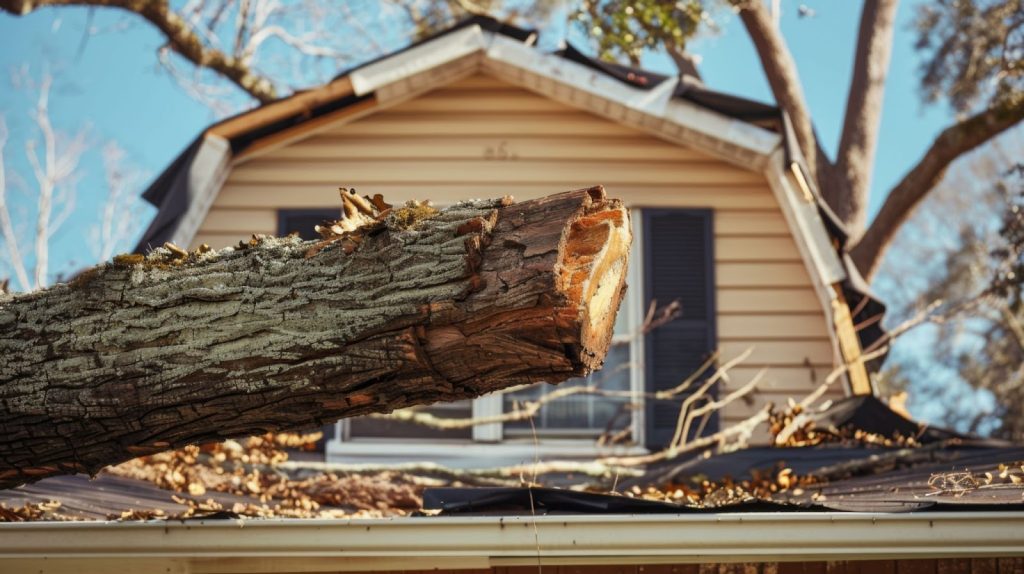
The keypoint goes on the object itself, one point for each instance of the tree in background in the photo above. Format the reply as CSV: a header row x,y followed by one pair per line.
x,y
967,363
48,191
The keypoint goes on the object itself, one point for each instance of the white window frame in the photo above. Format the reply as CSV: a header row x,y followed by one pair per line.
x,y
488,439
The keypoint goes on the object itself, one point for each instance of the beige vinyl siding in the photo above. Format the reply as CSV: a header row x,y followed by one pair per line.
x,y
483,138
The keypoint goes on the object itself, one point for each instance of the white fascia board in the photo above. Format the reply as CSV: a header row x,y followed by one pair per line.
x,y
206,174
803,217
314,545
417,60
529,59
730,130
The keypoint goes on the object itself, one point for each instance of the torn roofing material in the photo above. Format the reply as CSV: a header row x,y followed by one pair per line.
x,y
956,477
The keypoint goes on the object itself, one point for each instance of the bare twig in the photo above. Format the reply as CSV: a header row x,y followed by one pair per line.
x,y
6,226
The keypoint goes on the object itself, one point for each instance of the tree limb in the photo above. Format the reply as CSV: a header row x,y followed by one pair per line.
x,y
953,142
179,34
781,72
147,354
855,157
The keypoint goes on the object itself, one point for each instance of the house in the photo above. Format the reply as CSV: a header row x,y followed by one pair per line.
x,y
725,219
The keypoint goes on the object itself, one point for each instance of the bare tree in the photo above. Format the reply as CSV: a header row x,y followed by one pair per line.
x,y
53,157
121,212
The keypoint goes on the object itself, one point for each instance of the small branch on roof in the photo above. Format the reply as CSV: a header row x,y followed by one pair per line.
x,y
180,35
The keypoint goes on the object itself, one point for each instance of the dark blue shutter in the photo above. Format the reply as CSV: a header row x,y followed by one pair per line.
x,y
304,221
678,265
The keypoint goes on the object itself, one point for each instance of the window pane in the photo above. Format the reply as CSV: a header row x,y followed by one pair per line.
x,y
582,415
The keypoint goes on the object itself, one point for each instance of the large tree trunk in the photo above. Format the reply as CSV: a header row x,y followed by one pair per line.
x,y
139,356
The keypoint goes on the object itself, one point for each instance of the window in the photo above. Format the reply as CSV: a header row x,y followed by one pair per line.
x,y
672,259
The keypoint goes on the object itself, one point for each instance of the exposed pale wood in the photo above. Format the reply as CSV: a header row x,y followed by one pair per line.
x,y
282,108
849,344
763,300
308,127
408,171
301,195
146,354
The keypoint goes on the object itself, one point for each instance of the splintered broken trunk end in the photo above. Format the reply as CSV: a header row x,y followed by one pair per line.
x,y
146,354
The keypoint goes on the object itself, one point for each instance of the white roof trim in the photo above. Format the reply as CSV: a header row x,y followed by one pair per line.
x,y
471,49
206,175
653,110
292,545
803,217
424,57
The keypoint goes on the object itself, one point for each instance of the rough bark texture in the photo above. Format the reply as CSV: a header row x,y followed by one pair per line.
x,y
139,356
851,177
781,73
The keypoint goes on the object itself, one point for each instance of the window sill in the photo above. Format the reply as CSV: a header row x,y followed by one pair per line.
x,y
481,454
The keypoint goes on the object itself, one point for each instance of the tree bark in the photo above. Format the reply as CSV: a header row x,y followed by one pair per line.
x,y
781,73
146,354
855,159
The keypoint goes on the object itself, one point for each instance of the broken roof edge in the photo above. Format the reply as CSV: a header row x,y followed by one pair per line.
x,y
484,541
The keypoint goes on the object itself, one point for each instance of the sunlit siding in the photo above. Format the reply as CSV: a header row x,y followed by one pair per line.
x,y
485,138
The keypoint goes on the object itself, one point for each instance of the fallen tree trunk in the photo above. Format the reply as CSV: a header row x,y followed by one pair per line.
x,y
146,354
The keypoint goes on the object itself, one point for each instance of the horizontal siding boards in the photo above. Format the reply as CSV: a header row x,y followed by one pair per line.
x,y
508,148
743,410
768,353
398,124
446,190
245,221
480,137
781,326
746,301
754,275
778,379
560,173
757,249
744,223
